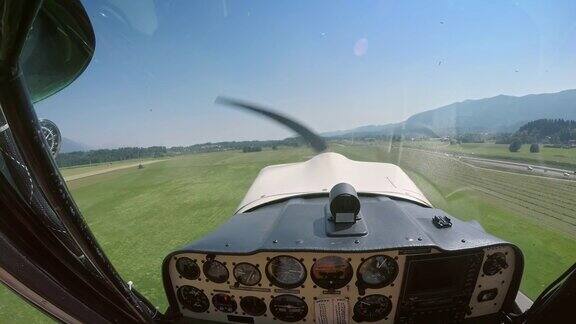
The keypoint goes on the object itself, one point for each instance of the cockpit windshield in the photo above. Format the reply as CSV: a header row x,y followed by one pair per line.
x,y
474,101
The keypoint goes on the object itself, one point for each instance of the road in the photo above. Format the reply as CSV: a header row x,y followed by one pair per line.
x,y
521,167
515,167
112,168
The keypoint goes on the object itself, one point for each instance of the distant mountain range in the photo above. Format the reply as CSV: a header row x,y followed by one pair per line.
x,y
500,114
493,115
69,145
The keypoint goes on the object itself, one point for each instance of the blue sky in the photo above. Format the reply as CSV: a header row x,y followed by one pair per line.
x,y
335,65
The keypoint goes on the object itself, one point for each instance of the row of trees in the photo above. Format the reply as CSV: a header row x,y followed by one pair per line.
x,y
248,149
515,146
110,155
471,138
554,131
128,153
547,131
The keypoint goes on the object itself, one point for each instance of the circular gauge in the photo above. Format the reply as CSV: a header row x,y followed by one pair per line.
x,y
215,271
331,272
188,268
247,274
372,308
377,271
224,303
52,135
193,299
286,272
288,308
494,263
253,306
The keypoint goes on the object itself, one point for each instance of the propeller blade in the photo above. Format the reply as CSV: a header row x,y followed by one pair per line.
x,y
317,142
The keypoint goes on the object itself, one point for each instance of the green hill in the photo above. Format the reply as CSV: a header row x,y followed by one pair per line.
x,y
555,131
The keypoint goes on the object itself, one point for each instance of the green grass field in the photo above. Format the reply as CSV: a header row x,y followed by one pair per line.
x,y
139,216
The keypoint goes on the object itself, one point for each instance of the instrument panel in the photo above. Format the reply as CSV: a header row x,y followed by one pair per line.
x,y
331,287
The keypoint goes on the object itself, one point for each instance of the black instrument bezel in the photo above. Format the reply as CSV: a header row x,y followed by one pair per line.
x,y
208,264
252,265
281,285
259,300
186,306
489,259
359,318
230,301
340,283
181,273
274,299
380,285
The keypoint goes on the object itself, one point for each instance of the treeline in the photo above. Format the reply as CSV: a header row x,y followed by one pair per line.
x,y
249,149
128,153
552,131
372,137
472,138
110,155
236,145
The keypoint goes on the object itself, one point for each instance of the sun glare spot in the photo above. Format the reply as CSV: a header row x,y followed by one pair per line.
x,y
361,47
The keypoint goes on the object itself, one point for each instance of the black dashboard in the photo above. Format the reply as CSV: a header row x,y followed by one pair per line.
x,y
350,279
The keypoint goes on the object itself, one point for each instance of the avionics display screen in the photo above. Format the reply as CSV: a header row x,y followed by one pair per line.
x,y
434,275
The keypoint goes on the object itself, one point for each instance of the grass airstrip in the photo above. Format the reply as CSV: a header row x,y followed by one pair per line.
x,y
140,215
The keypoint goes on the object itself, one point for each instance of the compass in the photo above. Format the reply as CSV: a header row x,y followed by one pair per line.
x,y
52,135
